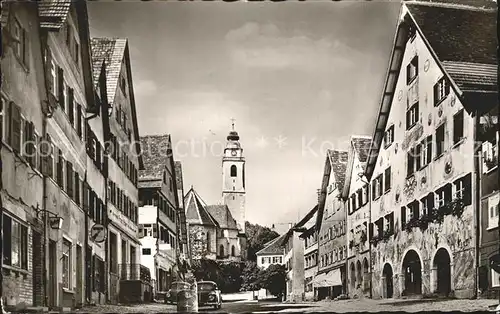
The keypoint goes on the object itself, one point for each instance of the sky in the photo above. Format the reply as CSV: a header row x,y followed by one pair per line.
x,y
297,78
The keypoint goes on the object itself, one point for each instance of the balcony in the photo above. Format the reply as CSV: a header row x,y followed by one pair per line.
x,y
134,272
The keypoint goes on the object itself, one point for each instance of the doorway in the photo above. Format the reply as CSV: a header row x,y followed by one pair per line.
x,y
38,249
52,269
387,275
442,263
412,268
79,275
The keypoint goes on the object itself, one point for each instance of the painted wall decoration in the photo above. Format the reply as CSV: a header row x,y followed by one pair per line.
x,y
400,94
427,64
448,168
414,134
410,185
453,100
397,196
440,111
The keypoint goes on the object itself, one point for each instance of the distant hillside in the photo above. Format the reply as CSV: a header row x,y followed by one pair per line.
x,y
257,236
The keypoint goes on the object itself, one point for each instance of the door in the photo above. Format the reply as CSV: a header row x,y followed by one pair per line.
x,y
38,295
88,273
79,275
52,280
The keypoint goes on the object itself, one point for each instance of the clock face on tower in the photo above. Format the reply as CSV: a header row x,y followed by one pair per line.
x,y
233,153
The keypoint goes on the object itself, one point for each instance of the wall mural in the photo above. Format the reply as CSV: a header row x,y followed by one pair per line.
x,y
398,195
412,136
410,185
423,182
448,168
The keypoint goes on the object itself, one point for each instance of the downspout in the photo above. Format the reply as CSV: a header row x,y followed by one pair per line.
x,y
369,242
477,202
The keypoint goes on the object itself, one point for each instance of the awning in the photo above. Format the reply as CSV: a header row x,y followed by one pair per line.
x,y
329,279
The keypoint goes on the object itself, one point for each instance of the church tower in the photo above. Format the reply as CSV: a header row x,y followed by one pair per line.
x,y
233,178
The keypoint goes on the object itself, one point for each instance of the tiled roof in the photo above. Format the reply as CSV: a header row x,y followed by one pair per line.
x,y
178,175
361,145
196,213
272,247
156,154
473,76
53,13
338,161
458,33
223,216
112,52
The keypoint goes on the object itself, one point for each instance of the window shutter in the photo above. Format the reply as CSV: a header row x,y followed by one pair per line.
x,y
374,189
15,127
418,157
467,182
446,87
430,201
435,94
60,84
387,179
447,192
85,197
370,231
92,204
380,187
71,112
48,70
429,149
403,217
408,68
416,209
77,188
79,120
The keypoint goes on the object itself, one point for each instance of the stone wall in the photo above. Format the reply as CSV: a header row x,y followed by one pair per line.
x,y
198,242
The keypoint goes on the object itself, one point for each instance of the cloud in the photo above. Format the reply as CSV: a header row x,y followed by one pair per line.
x,y
266,46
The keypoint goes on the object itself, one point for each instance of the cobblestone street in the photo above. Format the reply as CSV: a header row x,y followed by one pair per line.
x,y
345,306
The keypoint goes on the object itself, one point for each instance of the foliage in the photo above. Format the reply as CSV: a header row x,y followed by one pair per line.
x,y
257,236
455,207
351,244
387,234
227,275
363,237
374,240
251,277
273,279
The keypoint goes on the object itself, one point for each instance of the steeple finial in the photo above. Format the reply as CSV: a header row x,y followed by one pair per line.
x,y
232,122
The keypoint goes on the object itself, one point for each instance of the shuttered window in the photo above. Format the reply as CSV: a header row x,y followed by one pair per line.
x,y
15,127
62,88
71,112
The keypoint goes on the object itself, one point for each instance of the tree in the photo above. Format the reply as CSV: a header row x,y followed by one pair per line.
x,y
273,279
257,236
250,276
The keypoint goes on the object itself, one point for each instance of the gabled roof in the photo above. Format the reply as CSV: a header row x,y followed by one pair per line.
x,y
272,247
457,36
53,14
336,162
222,216
358,143
156,154
196,212
304,223
113,51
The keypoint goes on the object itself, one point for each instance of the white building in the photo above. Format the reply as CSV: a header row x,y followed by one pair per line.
x,y
272,253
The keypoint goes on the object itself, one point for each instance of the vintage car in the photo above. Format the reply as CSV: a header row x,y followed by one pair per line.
x,y
171,295
209,294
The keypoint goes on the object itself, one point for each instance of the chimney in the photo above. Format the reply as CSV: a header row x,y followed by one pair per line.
x,y
290,225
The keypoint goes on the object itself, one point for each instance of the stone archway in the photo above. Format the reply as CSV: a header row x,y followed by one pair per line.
x,y
412,270
366,275
388,284
353,277
442,266
359,273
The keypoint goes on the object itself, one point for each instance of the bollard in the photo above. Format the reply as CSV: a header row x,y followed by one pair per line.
x,y
187,298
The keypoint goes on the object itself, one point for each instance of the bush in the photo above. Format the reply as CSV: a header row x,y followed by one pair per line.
x,y
227,275
273,279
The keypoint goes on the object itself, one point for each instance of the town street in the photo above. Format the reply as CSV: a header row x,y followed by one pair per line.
x,y
345,306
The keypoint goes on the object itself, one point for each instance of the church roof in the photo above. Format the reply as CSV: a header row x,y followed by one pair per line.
x,y
222,215
196,210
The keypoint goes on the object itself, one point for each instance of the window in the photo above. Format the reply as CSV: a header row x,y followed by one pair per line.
x,y
380,226
15,127
462,189
495,278
442,196
441,90
425,154
53,80
490,154
233,171
493,202
412,116
15,245
71,107
20,43
389,223
62,88
458,126
365,194
440,145
69,179
389,136
387,179
146,251
410,162
359,194
66,264
413,211
427,204
412,70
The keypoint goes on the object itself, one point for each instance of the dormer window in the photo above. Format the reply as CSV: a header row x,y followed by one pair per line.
x,y
412,70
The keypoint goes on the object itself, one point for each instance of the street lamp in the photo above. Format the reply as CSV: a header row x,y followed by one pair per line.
x,y
55,222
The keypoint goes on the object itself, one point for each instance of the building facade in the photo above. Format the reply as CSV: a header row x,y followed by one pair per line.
x,y
124,162
158,210
310,239
357,203
23,97
489,284
331,223
425,224
182,228
272,253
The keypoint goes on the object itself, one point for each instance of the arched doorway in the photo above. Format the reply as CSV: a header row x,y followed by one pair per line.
x,y
360,275
412,269
387,275
233,251
221,250
442,263
366,274
353,276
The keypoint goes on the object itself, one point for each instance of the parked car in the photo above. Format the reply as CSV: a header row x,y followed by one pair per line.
x,y
209,294
171,295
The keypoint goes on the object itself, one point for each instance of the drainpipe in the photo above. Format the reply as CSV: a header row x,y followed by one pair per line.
x,y
477,203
